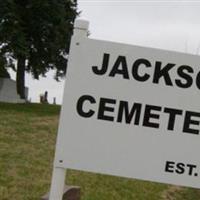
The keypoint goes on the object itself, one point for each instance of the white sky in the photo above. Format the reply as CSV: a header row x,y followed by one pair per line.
x,y
171,25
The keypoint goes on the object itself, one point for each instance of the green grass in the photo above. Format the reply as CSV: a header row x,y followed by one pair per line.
x,y
27,142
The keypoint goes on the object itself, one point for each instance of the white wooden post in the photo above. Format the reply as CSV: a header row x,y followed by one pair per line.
x,y
81,28
58,176
57,184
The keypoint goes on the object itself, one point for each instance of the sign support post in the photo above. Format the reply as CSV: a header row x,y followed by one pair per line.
x,y
57,184
58,176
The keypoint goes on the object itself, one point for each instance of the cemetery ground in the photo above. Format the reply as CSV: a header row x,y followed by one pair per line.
x,y
27,142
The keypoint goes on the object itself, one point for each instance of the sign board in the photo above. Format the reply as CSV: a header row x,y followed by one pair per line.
x,y
131,111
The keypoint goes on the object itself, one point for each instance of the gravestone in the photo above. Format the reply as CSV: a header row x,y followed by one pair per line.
x,y
8,91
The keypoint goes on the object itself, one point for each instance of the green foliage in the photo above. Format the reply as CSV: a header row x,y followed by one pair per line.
x,y
3,72
38,33
5,63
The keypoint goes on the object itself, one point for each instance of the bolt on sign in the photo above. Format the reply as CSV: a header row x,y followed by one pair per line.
x,y
131,111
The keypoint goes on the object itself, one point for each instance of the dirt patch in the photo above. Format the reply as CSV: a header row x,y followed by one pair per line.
x,y
169,194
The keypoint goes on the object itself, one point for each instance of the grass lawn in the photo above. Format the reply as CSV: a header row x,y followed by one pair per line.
x,y
27,141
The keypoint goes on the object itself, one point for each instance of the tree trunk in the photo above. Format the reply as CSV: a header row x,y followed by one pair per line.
x,y
21,77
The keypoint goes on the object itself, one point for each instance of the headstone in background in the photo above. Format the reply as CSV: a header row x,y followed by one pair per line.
x,y
44,97
8,91
54,100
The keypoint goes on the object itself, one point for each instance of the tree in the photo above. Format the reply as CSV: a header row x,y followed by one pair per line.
x,y
36,34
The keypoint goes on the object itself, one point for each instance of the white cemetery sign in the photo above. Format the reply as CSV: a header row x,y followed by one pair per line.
x,y
129,111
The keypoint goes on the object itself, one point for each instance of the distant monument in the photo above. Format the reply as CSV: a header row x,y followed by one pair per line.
x,y
44,97
8,91
54,100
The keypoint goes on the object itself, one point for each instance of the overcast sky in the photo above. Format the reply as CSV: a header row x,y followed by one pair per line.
x,y
171,25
